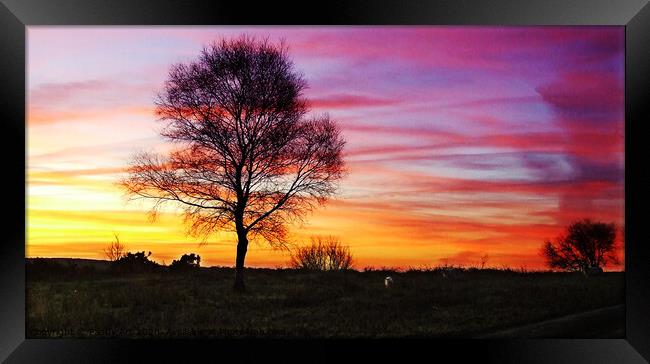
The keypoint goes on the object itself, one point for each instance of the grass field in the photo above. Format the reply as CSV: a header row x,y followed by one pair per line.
x,y
290,303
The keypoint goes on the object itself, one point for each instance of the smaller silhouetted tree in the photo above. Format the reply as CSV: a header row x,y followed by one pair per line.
x,y
186,262
585,245
115,249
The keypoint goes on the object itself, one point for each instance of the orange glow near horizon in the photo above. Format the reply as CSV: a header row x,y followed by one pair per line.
x,y
486,140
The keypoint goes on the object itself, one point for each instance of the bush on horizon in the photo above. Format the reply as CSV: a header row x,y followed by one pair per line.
x,y
186,262
134,263
323,254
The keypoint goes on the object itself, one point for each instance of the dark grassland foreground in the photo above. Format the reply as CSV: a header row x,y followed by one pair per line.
x,y
290,303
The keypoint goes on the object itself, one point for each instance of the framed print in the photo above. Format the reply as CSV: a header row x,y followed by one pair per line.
x,y
431,178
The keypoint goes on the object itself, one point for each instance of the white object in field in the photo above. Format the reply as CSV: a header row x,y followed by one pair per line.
x,y
388,282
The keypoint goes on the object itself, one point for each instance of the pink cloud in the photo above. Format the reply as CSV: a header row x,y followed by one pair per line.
x,y
584,92
343,101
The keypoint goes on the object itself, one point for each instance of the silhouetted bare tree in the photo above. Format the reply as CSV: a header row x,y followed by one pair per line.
x,y
115,250
249,159
585,245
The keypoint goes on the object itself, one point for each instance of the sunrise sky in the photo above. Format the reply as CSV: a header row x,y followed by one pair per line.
x,y
462,141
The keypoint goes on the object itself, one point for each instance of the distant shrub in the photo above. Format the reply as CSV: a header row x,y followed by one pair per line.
x,y
186,262
134,263
323,254
386,270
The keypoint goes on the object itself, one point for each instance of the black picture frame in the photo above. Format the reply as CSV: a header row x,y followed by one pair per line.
x,y
16,15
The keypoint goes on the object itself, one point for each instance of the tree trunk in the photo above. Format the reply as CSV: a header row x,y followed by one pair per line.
x,y
242,247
